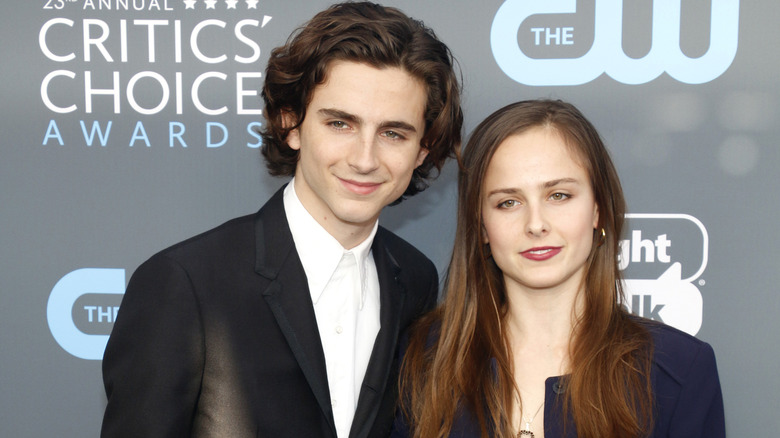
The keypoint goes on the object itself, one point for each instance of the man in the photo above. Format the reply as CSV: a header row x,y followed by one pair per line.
x,y
285,322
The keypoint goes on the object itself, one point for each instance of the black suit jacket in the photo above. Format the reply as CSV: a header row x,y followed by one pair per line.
x,y
216,337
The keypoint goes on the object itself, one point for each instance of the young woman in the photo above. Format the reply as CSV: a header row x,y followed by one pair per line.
x,y
531,339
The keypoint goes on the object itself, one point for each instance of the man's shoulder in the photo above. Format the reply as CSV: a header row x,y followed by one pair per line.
x,y
228,234
403,252
223,254
224,244
234,234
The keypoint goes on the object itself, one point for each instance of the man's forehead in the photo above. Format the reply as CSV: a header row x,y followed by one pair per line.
x,y
362,91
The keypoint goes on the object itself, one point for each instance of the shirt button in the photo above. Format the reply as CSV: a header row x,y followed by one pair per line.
x,y
333,403
339,330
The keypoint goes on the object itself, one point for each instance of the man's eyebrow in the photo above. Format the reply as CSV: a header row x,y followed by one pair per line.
x,y
343,115
397,124
339,114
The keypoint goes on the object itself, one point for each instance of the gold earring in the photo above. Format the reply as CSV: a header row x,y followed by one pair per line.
x,y
603,236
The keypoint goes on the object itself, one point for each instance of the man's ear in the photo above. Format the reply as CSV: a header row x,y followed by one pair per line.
x,y
293,137
421,154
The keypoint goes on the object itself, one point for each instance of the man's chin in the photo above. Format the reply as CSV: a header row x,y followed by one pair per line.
x,y
359,215
362,220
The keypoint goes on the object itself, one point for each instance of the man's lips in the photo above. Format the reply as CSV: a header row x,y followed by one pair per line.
x,y
541,253
359,187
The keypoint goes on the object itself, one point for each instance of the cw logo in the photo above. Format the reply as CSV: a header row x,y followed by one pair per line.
x,y
94,283
606,54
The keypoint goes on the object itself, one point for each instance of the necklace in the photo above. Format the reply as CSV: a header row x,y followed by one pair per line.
x,y
526,431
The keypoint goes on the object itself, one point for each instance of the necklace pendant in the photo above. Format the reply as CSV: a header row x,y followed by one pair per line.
x,y
526,431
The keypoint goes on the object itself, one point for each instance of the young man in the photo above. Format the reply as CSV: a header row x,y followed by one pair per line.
x,y
285,322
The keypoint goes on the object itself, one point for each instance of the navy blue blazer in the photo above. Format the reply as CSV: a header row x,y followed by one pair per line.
x,y
686,387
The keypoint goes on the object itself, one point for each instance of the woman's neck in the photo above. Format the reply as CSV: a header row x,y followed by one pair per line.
x,y
540,323
539,329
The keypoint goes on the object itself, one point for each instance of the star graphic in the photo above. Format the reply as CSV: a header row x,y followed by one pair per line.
x,y
251,4
210,4
189,4
231,4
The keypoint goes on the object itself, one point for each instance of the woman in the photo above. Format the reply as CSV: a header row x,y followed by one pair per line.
x,y
531,339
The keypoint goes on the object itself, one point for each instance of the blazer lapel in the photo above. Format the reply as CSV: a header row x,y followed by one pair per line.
x,y
288,296
391,298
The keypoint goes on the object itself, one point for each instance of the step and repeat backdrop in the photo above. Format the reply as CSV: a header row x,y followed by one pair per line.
x,y
129,125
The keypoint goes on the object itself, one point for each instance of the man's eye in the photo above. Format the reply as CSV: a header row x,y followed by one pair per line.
x,y
393,135
338,124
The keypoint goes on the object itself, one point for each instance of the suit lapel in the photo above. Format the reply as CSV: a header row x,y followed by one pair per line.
x,y
288,297
391,296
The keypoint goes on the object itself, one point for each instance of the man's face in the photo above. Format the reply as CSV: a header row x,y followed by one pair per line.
x,y
358,145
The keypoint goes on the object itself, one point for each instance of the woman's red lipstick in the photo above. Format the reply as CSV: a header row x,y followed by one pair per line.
x,y
541,253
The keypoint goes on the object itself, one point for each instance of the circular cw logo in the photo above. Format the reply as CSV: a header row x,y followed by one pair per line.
x,y
81,310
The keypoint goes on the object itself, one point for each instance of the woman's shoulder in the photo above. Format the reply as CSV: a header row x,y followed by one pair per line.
x,y
678,353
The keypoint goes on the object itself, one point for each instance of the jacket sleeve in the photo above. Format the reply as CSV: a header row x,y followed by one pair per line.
x,y
699,411
153,363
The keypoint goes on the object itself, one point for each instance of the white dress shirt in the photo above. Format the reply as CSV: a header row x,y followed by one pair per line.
x,y
344,289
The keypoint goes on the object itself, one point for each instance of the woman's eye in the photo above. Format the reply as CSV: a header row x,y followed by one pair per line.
x,y
559,196
508,204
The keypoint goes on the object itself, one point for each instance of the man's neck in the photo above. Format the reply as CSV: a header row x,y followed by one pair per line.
x,y
348,235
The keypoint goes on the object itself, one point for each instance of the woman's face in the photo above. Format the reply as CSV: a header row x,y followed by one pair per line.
x,y
538,212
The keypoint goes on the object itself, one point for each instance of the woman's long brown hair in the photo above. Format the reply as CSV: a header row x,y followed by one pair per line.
x,y
458,359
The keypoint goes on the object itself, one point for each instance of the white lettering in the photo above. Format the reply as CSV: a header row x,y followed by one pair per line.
x,y
196,95
89,91
150,24
96,41
166,92
45,91
241,93
194,42
45,47
638,250
252,45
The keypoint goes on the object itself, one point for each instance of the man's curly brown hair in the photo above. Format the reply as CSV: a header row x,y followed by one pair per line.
x,y
375,35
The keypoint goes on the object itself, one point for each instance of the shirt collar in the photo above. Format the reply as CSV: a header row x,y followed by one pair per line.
x,y
320,252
